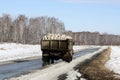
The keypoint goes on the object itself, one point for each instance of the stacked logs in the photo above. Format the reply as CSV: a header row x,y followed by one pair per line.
x,y
56,37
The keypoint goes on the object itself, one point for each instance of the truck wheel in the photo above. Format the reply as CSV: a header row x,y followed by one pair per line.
x,y
46,60
67,57
71,55
51,61
44,63
70,58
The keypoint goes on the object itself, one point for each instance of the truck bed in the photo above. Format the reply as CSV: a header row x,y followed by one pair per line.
x,y
60,45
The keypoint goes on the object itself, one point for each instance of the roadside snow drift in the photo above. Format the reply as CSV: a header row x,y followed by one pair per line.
x,y
73,75
13,51
114,63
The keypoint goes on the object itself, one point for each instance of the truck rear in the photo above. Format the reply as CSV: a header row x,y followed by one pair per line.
x,y
55,48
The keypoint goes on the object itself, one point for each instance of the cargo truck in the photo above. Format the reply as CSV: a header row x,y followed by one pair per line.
x,y
56,49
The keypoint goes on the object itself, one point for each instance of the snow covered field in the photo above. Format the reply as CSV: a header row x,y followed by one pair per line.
x,y
114,63
13,51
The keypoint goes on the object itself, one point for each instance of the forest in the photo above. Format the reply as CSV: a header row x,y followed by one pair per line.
x,y
30,30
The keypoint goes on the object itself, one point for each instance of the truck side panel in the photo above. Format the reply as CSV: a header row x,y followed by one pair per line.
x,y
45,44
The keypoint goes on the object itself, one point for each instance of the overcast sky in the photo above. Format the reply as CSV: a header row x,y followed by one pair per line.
x,y
77,15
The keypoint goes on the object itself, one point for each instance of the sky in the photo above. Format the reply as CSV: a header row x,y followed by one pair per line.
x,y
78,15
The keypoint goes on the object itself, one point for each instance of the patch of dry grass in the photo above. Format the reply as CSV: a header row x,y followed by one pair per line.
x,y
94,69
2,49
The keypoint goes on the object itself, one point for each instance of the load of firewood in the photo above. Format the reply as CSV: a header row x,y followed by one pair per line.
x,y
56,37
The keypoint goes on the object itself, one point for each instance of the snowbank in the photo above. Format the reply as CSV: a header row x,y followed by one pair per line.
x,y
82,47
114,63
73,75
13,51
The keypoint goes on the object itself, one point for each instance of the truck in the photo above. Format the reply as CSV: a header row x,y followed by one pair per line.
x,y
55,49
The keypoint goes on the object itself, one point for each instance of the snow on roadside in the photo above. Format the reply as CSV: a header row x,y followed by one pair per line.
x,y
53,71
73,75
13,51
81,47
114,63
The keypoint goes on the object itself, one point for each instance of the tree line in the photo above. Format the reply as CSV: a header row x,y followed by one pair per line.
x,y
95,38
22,29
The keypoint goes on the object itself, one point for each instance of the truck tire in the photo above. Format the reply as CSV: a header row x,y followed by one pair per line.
x,y
71,55
70,58
51,59
67,57
45,59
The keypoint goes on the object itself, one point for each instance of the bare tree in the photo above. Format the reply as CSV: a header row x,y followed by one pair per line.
x,y
6,24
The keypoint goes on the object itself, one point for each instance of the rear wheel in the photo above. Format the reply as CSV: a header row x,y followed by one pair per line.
x,y
51,59
67,57
45,59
